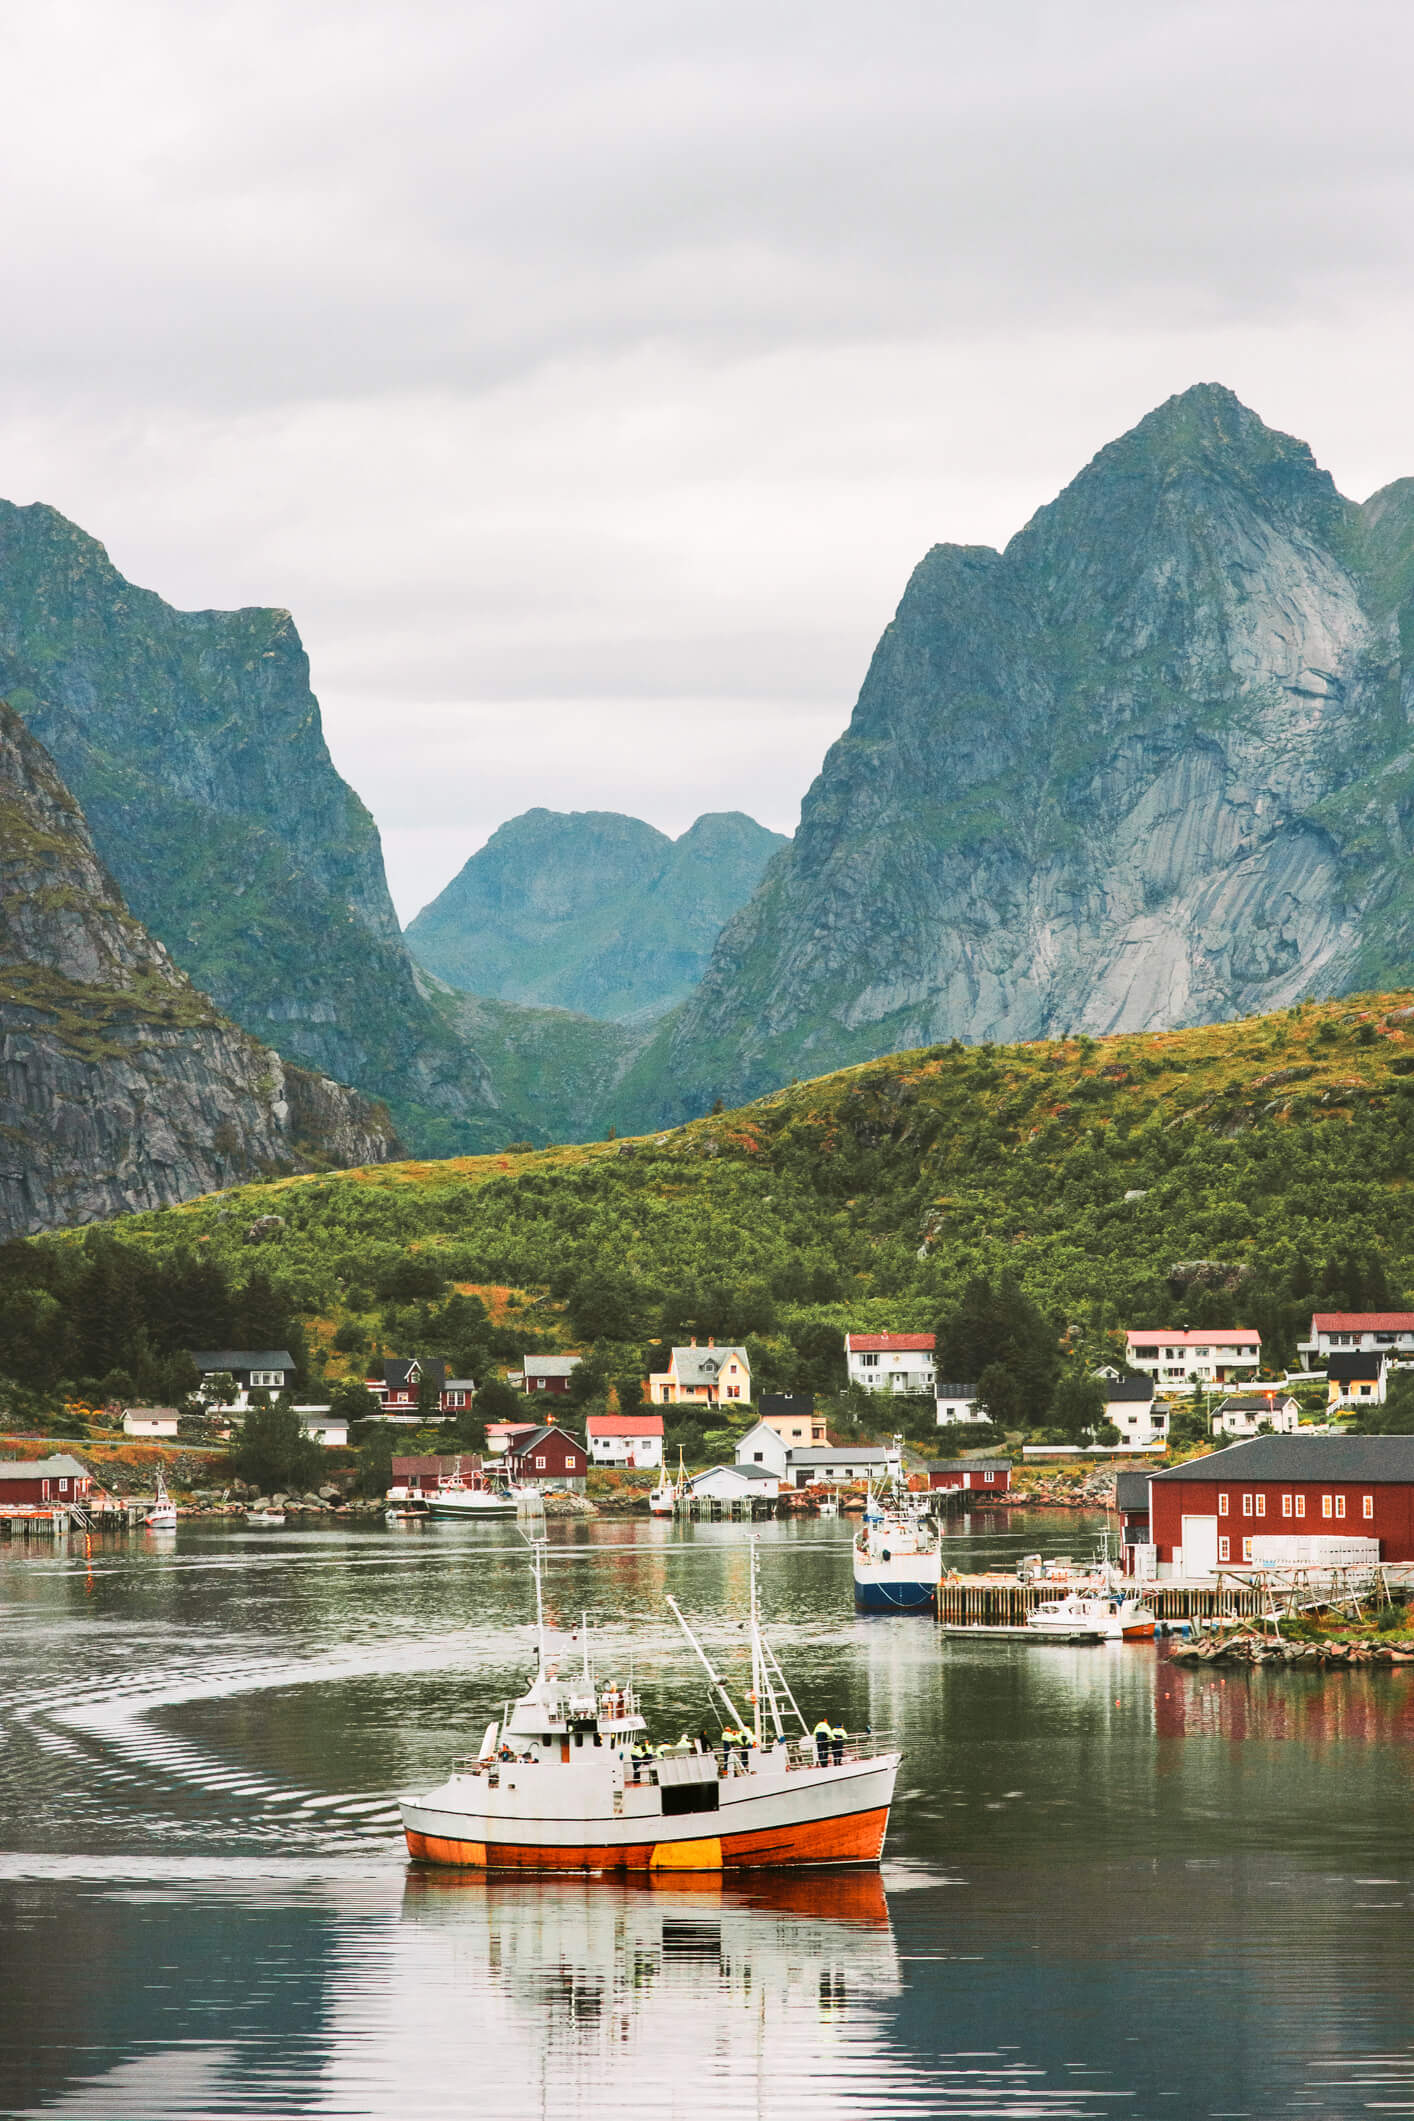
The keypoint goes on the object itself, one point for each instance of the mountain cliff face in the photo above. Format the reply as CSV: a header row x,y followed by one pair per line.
x,y
193,742
591,911
120,1086
1150,766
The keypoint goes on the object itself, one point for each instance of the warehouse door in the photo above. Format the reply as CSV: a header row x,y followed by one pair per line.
x,y
1200,1546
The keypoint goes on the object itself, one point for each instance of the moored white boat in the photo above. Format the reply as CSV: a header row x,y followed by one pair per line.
x,y
476,1498
1113,1616
564,1782
664,1498
264,1517
897,1558
162,1517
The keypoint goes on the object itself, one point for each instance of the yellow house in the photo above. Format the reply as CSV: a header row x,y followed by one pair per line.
x,y
708,1377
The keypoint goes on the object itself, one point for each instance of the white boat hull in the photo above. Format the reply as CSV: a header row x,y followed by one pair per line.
x,y
475,1505
769,1817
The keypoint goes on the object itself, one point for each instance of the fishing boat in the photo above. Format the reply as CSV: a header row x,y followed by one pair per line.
x,y
565,1781
476,1498
162,1517
1108,1617
898,1561
264,1517
664,1499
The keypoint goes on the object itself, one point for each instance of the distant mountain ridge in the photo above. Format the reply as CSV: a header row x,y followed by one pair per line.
x,y
1149,766
592,911
121,1087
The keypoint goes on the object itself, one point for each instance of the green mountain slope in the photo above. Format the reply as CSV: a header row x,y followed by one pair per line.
x,y
1223,1175
120,1085
592,911
1150,765
193,743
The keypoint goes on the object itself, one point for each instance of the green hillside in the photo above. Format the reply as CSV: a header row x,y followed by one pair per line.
x,y
1274,1153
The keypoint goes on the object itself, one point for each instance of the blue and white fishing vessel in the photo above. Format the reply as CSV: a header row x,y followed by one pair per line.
x,y
898,1562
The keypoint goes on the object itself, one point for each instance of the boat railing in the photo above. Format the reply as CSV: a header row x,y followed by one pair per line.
x,y
856,1745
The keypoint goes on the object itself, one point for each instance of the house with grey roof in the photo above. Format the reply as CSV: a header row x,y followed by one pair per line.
x,y
703,1376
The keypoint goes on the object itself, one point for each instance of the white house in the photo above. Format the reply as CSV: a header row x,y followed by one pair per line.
x,y
734,1484
150,1421
958,1402
843,1463
891,1362
625,1439
1247,1412
269,1370
1340,1332
1211,1356
332,1430
763,1445
1131,1406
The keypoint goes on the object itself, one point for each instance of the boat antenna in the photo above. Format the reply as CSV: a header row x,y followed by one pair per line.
x,y
536,1546
584,1627
758,1667
738,1720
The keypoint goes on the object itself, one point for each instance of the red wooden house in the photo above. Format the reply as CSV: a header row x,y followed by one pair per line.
x,y
40,1483
1206,1513
424,1476
988,1476
548,1458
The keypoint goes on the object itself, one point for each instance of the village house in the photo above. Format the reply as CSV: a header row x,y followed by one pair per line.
x,y
632,1440
1212,1356
842,1464
891,1362
709,1377
1358,1380
324,1427
763,1445
1132,1503
268,1370
549,1373
149,1421
1309,1494
792,1415
548,1458
1247,1412
501,1434
988,1476
1130,1404
1339,1332
39,1483
734,1484
958,1402
426,1475
398,1389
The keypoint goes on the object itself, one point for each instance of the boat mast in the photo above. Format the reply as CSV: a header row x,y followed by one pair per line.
x,y
758,1679
732,1710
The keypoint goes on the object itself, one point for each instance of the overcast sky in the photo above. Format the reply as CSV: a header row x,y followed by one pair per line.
x,y
588,379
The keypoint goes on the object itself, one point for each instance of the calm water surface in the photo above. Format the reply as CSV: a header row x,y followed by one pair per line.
x,y
1114,1887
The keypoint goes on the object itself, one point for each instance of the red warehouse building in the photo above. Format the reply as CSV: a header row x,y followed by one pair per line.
x,y
989,1476
39,1483
1205,1514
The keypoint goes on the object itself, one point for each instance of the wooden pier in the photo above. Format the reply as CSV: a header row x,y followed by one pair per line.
x,y
1000,1601
56,1521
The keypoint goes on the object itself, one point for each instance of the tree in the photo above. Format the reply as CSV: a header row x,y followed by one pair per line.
x,y
630,1394
1396,1416
495,1401
1077,1405
999,1394
375,1462
353,1400
274,1453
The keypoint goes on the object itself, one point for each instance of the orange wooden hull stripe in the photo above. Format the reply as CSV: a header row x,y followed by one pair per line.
x,y
859,1838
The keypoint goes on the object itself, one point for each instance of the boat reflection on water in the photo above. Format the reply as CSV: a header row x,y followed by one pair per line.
x,y
664,1980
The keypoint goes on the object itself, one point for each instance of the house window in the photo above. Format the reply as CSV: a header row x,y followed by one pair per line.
x,y
1247,1505
1261,1505
1367,1508
1340,1506
989,1476
1301,1505
1325,1506
540,1465
869,1362
1286,1506
267,1377
1222,1503
1224,1549
1246,1550
63,1487
570,1461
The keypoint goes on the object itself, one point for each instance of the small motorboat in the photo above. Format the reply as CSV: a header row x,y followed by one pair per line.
x,y
262,1518
162,1517
664,1499
830,1503
1111,1616
476,1497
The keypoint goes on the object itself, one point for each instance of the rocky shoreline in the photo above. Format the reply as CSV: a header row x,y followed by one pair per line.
x,y
1249,1649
